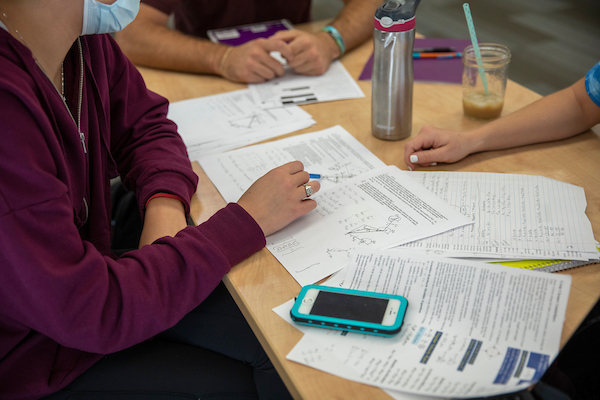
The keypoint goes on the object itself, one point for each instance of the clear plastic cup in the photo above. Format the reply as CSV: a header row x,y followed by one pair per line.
x,y
476,102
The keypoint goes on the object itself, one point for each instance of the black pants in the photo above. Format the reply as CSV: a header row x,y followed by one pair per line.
x,y
210,354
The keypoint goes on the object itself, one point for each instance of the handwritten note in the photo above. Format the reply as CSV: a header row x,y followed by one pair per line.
x,y
334,153
226,121
378,209
514,216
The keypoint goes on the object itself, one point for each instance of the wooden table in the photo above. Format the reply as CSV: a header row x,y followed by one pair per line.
x,y
260,283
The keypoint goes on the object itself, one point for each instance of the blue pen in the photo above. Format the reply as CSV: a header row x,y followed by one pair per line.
x,y
315,176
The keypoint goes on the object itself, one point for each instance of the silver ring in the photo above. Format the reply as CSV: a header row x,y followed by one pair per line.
x,y
308,189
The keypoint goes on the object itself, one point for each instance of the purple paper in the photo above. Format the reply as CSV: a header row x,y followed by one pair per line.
x,y
246,33
447,70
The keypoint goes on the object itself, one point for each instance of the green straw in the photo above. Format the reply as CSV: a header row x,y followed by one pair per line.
x,y
475,46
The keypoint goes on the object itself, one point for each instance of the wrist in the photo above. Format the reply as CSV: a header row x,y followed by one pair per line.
x,y
477,140
223,61
166,196
215,56
336,42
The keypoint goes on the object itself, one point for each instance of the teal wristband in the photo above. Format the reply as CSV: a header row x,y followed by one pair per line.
x,y
337,37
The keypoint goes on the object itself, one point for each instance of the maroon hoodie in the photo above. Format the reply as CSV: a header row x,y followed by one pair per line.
x,y
64,300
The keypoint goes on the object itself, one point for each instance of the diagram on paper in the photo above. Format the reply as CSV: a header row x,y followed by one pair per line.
x,y
362,231
342,172
250,121
367,234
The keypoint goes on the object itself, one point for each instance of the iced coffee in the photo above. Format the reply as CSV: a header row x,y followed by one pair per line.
x,y
481,105
484,82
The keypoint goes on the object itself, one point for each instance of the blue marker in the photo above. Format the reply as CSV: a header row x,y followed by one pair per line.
x,y
315,176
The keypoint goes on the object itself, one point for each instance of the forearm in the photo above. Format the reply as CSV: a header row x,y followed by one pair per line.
x,y
164,217
557,116
355,21
149,42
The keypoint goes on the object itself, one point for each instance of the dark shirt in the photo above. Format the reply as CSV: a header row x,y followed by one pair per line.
x,y
195,17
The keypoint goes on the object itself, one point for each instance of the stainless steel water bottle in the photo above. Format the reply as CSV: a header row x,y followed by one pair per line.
x,y
392,78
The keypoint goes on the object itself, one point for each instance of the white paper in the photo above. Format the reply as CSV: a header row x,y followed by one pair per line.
x,y
377,209
334,153
295,89
284,312
470,329
515,216
228,120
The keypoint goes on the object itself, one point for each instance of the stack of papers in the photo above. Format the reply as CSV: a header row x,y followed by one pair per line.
x,y
469,330
222,122
514,217
295,89
333,153
362,203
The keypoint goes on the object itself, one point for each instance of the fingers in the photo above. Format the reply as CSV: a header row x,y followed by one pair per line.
x,y
311,56
252,62
280,197
422,149
433,145
309,188
274,44
300,179
287,35
425,158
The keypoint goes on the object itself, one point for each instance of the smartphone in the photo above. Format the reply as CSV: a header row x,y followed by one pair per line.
x,y
349,310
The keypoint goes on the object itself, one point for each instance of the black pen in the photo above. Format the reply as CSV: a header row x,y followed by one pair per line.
x,y
434,50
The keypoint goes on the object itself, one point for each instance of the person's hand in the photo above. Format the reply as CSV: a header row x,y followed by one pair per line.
x,y
433,145
279,197
251,62
164,217
313,52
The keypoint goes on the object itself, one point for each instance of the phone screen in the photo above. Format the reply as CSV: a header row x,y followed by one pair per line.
x,y
358,308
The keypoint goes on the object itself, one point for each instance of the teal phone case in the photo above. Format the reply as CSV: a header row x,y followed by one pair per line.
x,y
347,324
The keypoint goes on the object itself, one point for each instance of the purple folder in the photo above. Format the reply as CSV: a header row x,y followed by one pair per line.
x,y
447,70
237,35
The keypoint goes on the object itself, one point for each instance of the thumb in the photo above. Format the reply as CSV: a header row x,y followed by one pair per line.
x,y
425,157
287,36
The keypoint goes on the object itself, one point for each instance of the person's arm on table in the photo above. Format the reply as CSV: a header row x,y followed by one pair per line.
x,y
273,201
314,52
557,116
164,216
148,41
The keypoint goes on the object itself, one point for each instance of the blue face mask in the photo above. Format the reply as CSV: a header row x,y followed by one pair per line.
x,y
108,18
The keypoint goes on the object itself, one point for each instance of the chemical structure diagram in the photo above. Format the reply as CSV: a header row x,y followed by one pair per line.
x,y
364,234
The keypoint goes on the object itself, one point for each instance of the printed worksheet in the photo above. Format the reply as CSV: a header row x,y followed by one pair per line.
x,y
294,89
332,153
378,209
225,121
470,330
514,216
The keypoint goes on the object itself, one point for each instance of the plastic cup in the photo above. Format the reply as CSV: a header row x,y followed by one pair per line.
x,y
477,102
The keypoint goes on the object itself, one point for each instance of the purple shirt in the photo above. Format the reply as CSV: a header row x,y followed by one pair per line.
x,y
195,17
64,300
